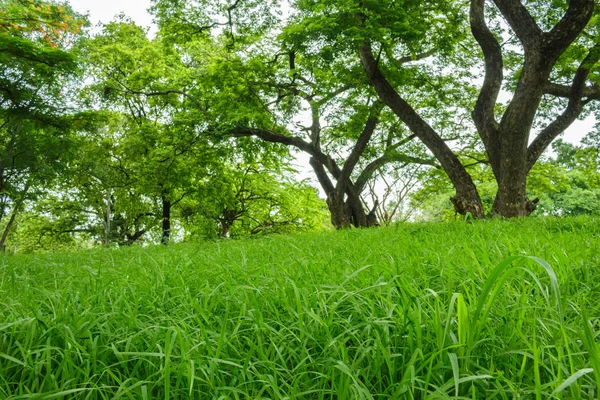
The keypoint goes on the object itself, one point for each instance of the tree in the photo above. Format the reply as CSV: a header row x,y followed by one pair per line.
x,y
245,199
567,183
506,141
35,67
272,78
160,149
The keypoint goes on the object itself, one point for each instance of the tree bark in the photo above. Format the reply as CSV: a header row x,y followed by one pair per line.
x,y
341,215
7,229
511,199
343,201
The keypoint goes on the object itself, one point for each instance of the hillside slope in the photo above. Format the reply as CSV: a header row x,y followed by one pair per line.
x,y
410,311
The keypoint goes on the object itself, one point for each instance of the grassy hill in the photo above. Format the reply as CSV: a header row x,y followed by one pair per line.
x,y
410,311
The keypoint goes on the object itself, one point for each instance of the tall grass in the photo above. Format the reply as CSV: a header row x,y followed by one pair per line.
x,y
485,310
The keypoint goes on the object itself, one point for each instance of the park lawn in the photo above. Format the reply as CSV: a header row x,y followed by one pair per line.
x,y
489,309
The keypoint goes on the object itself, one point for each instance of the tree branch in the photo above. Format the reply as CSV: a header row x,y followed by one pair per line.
x,y
324,180
570,26
416,57
483,114
573,110
361,144
521,22
199,105
459,177
555,89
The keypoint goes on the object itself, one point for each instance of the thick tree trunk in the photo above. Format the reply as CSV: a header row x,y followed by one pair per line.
x,y
466,201
511,199
344,205
341,215
345,214
510,167
166,220
347,210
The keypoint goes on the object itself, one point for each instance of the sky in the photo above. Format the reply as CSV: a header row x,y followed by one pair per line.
x,y
105,10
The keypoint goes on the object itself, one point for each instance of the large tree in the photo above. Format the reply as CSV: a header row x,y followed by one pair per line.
x,y
545,50
36,68
540,56
277,85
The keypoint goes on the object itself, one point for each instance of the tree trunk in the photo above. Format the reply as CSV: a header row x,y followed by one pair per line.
x,y
348,210
13,216
511,199
357,210
341,216
466,201
107,220
166,220
224,229
506,142
7,229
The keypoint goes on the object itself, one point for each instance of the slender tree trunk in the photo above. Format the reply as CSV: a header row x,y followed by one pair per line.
x,y
107,220
224,229
7,229
166,220
13,216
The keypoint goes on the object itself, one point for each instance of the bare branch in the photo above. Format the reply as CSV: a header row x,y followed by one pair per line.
x,y
387,158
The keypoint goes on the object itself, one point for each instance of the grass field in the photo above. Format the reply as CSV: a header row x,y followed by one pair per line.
x,y
494,310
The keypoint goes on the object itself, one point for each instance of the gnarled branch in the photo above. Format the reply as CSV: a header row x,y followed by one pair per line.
x,y
483,114
573,110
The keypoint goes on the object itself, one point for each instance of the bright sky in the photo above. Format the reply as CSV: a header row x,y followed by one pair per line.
x,y
105,11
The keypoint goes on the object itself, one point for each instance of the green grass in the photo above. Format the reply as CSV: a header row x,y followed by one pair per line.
x,y
494,310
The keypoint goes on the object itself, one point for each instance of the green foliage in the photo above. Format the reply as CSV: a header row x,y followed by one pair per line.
x,y
569,185
36,71
243,201
410,311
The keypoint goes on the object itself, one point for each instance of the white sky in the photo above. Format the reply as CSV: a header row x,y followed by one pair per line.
x,y
105,10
